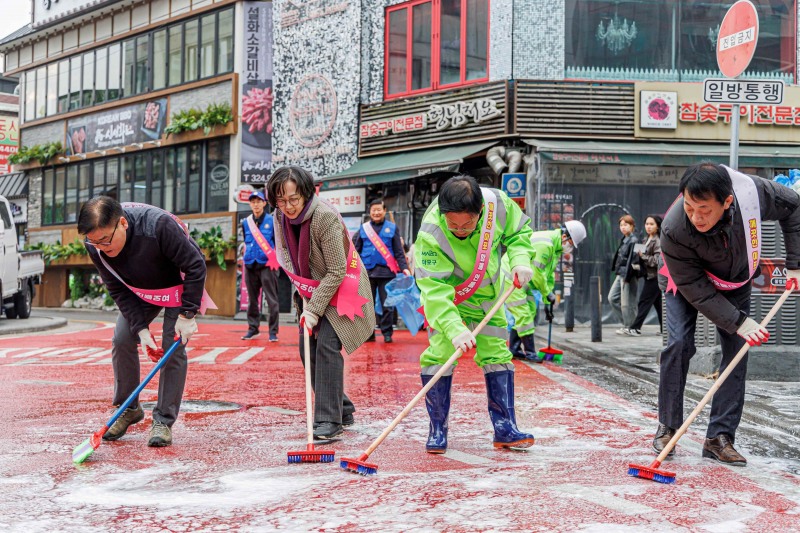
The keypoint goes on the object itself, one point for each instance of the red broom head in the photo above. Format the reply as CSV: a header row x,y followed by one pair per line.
x,y
651,472
311,457
551,350
359,466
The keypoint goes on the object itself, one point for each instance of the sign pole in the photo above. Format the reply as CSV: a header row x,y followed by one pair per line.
x,y
734,159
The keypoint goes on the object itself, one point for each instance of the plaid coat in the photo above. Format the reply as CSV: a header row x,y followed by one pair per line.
x,y
328,259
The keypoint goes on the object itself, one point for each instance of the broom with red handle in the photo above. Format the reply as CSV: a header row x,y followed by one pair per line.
x,y
664,476
309,455
86,448
360,465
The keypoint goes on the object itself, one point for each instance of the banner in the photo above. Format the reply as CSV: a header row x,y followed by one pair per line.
x,y
9,141
257,94
118,127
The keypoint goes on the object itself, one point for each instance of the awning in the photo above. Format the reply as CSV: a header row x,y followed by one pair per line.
x,y
403,165
663,154
14,184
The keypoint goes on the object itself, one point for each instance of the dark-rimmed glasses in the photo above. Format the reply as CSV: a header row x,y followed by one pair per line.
x,y
103,244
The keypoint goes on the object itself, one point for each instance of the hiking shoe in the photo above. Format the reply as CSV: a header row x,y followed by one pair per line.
x,y
633,332
273,338
721,449
130,416
348,420
160,435
327,431
663,435
251,334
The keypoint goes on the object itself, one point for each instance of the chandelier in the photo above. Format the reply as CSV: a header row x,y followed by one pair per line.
x,y
618,35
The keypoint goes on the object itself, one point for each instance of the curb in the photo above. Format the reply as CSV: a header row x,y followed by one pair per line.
x,y
52,323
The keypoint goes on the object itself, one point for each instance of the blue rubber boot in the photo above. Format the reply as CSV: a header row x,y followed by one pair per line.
x,y
437,400
500,391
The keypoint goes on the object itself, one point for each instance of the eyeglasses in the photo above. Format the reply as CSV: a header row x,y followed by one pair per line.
x,y
294,202
103,244
470,226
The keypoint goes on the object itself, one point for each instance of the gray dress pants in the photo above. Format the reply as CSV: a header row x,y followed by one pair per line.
x,y
127,376
327,374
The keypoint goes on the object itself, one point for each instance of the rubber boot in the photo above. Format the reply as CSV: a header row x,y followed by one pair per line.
x,y
515,345
437,400
530,349
500,391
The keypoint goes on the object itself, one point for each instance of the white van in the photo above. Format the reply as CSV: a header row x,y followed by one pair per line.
x,y
19,271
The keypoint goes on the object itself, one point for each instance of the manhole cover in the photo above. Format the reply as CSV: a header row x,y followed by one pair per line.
x,y
201,406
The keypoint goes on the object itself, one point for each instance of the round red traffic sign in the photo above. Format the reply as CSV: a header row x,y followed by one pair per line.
x,y
737,38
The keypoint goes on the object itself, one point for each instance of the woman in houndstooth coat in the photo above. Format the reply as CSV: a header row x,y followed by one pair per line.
x,y
312,243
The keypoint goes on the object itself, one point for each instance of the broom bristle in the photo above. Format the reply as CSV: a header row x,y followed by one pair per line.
x,y
311,457
82,452
651,472
359,466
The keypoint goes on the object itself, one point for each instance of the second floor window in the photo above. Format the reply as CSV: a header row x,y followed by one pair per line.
x,y
435,44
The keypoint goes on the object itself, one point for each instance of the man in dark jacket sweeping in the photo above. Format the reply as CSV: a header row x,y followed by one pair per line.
x,y
711,240
148,263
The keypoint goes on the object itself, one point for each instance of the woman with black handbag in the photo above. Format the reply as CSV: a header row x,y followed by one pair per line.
x,y
648,268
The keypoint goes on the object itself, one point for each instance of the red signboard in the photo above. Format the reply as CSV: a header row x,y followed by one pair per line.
x,y
737,38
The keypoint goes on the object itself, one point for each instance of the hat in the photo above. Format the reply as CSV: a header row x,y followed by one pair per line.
x,y
576,230
257,194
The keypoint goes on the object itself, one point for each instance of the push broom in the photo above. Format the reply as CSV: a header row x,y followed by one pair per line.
x,y
309,455
549,353
86,448
664,476
360,465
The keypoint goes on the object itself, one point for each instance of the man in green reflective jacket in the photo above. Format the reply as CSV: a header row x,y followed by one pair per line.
x,y
464,224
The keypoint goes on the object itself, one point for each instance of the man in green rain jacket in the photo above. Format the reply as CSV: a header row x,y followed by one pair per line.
x,y
549,246
458,273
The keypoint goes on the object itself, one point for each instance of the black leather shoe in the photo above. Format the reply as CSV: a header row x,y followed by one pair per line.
x,y
327,430
348,420
387,339
663,435
721,449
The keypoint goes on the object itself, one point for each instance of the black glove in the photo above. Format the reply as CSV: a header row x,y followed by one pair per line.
x,y
548,312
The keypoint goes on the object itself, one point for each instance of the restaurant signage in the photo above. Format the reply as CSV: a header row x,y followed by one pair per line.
x,y
117,127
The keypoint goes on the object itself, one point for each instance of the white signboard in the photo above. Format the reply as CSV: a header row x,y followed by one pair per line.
x,y
47,11
347,200
727,91
658,109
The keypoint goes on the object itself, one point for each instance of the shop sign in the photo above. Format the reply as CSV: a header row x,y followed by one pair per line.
x,y
441,116
658,109
346,200
118,127
242,193
726,91
257,93
586,158
756,115
9,141
773,276
343,183
513,185
300,11
312,110
19,210
218,181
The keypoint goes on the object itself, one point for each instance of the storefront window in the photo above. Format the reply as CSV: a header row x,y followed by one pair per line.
x,y
190,50
159,60
208,37
157,179
30,95
112,178
74,83
126,182
175,55
140,179
52,88
128,67
71,198
114,72
669,40
63,86
225,40
84,181
58,199
142,63
48,182
195,168
41,92
217,172
449,45
101,75
180,180
99,183
88,79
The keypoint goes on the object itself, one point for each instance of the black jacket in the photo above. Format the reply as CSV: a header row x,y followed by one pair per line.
x,y
622,259
156,251
723,250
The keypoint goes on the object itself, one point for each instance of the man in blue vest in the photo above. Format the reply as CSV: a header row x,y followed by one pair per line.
x,y
261,267
381,250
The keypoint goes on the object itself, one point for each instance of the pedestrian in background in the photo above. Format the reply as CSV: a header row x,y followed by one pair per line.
x,y
260,267
648,269
144,255
378,242
711,260
459,286
622,295
333,290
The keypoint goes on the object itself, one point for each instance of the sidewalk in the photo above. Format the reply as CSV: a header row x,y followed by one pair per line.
x,y
769,404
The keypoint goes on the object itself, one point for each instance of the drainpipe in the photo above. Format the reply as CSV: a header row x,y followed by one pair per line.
x,y
495,159
514,159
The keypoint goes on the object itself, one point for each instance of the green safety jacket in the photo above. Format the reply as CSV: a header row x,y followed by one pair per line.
x,y
521,304
547,245
443,261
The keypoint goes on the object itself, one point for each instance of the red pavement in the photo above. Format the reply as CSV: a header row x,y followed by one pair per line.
x,y
229,470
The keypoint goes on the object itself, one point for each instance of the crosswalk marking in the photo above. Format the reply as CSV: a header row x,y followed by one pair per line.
x,y
210,357
245,356
79,355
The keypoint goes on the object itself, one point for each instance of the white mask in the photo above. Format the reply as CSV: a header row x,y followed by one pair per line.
x,y
568,248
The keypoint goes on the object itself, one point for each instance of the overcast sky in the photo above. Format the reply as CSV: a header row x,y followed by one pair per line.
x,y
14,14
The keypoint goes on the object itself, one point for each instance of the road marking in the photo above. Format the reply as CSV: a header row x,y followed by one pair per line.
x,y
41,382
279,410
602,497
245,356
467,458
31,353
210,357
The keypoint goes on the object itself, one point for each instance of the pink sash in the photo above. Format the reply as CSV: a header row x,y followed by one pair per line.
x,y
746,195
346,300
167,297
379,245
468,287
272,260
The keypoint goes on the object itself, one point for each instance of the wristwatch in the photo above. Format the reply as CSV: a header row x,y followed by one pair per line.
x,y
188,315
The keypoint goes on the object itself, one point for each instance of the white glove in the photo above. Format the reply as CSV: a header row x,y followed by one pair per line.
x,y
793,280
465,341
752,332
522,275
551,298
149,348
309,320
185,327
